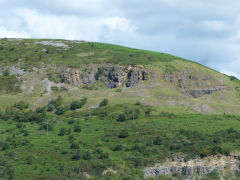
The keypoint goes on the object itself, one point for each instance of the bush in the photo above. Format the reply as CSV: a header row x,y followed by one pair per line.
x,y
77,128
103,155
78,104
123,134
6,73
157,141
76,156
71,121
62,132
61,110
104,102
121,118
74,145
87,155
119,147
29,159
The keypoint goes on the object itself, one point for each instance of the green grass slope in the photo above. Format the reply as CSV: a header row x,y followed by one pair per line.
x,y
73,133
42,54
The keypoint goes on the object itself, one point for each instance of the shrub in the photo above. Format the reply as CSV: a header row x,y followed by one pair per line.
x,y
76,156
118,147
78,104
148,111
121,118
74,145
87,155
157,141
29,159
61,110
77,128
71,138
71,121
62,132
103,155
6,73
104,102
123,134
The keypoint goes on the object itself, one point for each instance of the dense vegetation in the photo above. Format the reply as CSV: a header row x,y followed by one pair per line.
x,y
65,140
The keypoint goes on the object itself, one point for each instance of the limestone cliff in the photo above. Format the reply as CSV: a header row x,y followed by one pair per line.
x,y
112,76
194,166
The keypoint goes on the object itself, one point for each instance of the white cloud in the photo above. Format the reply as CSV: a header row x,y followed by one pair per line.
x,y
214,25
70,27
9,33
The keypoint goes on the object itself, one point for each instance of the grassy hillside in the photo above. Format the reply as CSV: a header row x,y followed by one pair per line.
x,y
74,53
46,55
52,129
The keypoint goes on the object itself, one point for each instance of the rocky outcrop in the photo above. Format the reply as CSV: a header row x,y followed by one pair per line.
x,y
111,76
195,84
195,166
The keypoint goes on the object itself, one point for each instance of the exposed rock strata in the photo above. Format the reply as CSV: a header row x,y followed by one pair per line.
x,y
196,166
111,76
195,84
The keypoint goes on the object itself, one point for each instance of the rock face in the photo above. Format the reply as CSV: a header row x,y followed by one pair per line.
x,y
111,76
195,84
196,166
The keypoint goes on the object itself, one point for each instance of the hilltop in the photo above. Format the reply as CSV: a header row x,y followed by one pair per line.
x,y
48,68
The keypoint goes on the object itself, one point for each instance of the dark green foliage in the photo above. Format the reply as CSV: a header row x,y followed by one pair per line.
x,y
77,128
62,132
104,102
78,104
29,159
71,121
157,141
6,73
123,134
76,156
103,155
74,145
119,147
87,155
121,118
61,110
53,105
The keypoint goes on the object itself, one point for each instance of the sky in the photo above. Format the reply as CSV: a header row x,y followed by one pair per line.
x,y
200,30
